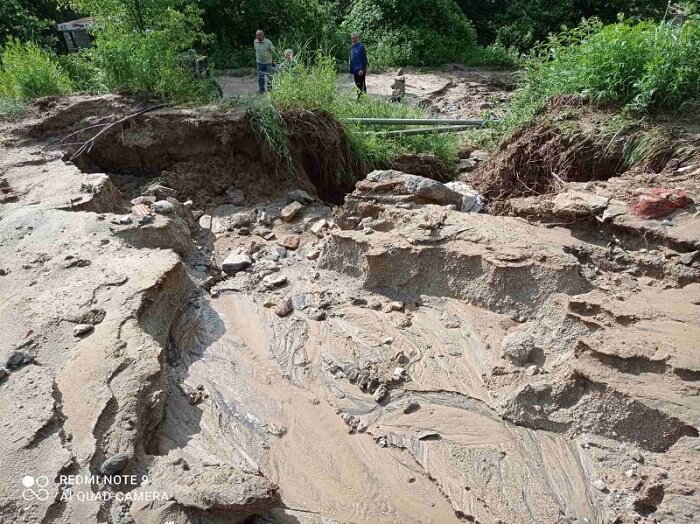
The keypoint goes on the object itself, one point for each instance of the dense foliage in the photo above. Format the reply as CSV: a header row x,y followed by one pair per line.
x,y
417,32
523,23
643,65
138,45
28,71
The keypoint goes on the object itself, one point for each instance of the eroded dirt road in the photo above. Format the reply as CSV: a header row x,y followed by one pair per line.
x,y
180,308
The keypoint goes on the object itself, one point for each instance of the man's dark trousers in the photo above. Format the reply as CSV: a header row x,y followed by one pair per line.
x,y
361,84
264,73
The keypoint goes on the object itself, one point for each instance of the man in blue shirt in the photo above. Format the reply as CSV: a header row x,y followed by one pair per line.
x,y
358,64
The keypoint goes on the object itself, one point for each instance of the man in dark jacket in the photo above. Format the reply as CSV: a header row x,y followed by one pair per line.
x,y
358,64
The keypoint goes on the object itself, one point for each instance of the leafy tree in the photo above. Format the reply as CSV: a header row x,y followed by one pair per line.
x,y
417,32
139,43
17,20
521,23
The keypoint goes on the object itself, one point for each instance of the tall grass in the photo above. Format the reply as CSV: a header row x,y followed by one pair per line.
x,y
645,66
28,71
312,84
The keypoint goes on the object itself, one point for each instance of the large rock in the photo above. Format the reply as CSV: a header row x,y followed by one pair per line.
x,y
413,188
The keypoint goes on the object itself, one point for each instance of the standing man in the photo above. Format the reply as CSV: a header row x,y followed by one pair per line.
x,y
263,57
358,64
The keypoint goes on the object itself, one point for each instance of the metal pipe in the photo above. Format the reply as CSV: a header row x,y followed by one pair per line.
x,y
419,121
420,131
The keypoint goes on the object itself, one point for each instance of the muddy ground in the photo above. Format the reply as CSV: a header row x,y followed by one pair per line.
x,y
216,338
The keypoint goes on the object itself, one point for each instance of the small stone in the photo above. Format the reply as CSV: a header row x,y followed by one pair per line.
x,y
284,308
317,228
253,247
4,272
687,259
142,220
518,347
148,199
375,304
299,196
82,329
242,219
163,207
3,373
532,370
600,485
270,301
629,473
313,254
316,314
411,407
235,196
396,306
236,262
162,192
273,281
403,322
114,464
205,221
388,341
291,242
18,359
123,220
381,393
358,301
288,212
399,372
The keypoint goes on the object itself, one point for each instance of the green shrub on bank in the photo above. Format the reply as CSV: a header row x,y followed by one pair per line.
x,y
314,86
138,46
28,71
412,32
643,65
84,71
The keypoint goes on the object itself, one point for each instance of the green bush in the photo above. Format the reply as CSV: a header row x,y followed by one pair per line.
x,y
313,85
138,50
524,23
493,55
643,65
29,71
83,70
411,32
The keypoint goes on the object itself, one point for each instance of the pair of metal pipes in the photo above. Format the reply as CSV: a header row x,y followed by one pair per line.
x,y
439,125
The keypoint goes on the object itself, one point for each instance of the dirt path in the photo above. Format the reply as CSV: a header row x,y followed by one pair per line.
x,y
454,92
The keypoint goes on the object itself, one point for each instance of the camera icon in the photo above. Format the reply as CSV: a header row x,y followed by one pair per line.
x,y
35,488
